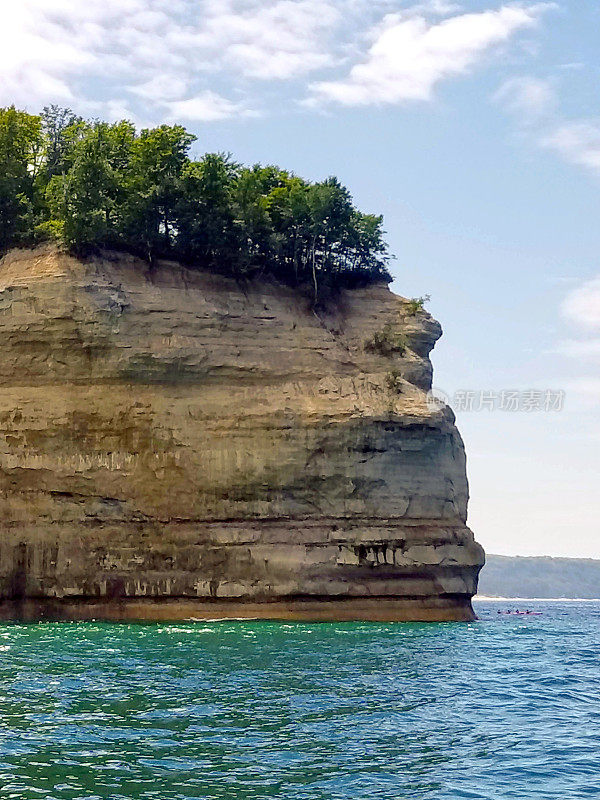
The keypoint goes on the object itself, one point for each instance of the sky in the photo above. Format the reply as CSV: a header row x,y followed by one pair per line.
x,y
473,127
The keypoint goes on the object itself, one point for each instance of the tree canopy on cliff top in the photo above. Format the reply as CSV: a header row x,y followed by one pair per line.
x,y
91,184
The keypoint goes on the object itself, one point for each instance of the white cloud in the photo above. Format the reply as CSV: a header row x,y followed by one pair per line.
x,y
275,40
572,65
410,54
440,8
35,61
166,86
160,52
585,349
205,107
582,308
577,142
532,102
528,99
154,58
585,392
582,305
48,50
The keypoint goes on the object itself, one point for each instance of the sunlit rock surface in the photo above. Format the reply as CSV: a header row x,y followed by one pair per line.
x,y
175,444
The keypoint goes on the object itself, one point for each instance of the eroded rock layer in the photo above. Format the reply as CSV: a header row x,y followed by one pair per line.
x,y
174,444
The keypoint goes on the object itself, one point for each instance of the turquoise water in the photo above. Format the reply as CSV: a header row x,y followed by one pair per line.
x,y
505,707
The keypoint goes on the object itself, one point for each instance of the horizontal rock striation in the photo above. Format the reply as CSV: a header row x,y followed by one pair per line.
x,y
174,444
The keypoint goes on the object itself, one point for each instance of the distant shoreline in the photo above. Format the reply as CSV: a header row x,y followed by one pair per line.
x,y
540,577
537,599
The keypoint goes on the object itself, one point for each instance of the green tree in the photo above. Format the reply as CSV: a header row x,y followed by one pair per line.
x,y
20,152
155,189
86,202
368,253
253,212
330,214
58,125
208,232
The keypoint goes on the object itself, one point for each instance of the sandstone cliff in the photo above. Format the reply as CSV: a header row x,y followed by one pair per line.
x,y
173,444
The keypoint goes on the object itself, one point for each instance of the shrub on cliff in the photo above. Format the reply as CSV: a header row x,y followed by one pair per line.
x,y
387,342
416,304
95,184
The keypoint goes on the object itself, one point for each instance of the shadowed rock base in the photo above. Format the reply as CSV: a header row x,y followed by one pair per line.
x,y
436,609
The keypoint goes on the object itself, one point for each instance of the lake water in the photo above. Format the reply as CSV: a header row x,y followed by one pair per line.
x,y
505,707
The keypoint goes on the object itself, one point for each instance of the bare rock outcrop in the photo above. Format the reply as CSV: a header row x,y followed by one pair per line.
x,y
175,444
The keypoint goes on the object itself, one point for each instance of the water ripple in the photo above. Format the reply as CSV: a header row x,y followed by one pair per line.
x,y
504,708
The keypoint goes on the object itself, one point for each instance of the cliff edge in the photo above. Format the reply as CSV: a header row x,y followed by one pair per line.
x,y
174,444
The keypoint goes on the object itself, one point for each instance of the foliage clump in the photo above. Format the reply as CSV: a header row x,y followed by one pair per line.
x,y
393,380
91,184
387,342
416,304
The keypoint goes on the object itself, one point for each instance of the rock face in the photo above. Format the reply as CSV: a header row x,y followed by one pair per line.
x,y
174,444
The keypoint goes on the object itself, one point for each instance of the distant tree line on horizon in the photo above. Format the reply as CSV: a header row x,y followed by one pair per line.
x,y
92,184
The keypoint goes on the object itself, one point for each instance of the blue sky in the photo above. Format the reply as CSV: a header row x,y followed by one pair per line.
x,y
473,127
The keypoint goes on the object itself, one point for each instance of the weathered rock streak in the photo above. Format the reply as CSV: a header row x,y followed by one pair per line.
x,y
174,444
